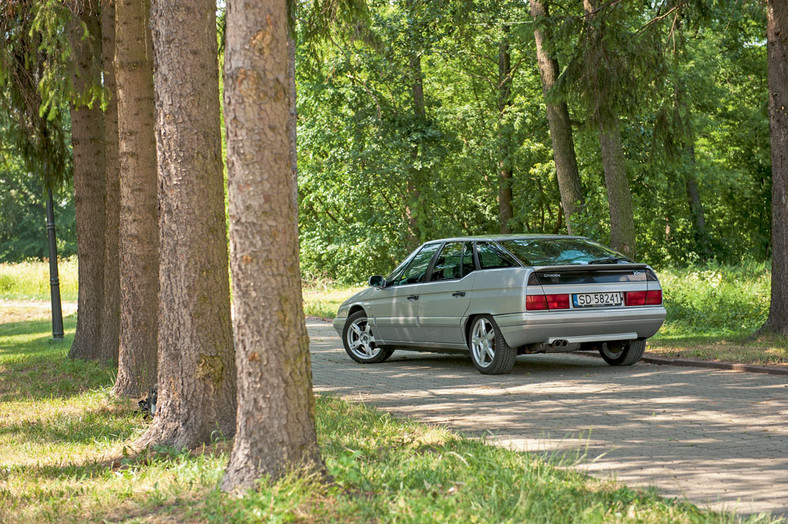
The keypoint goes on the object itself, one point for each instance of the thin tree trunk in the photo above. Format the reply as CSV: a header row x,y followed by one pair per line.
x,y
196,378
622,223
139,222
777,50
274,370
696,205
560,127
505,207
413,185
87,132
110,319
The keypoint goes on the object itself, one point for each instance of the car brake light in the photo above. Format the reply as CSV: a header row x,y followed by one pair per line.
x,y
545,302
635,298
654,297
643,298
557,301
536,302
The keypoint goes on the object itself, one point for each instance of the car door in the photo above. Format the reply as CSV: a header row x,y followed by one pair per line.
x,y
396,307
445,298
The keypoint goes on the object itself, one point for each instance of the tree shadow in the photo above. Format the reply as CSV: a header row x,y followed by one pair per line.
x,y
35,366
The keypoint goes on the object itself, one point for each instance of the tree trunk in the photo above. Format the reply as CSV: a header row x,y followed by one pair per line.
x,y
696,206
560,126
139,225
87,139
619,196
505,208
777,50
274,370
110,319
196,379
413,185
622,223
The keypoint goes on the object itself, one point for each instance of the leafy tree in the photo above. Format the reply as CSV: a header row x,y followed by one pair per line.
x,y
272,346
557,117
196,368
34,122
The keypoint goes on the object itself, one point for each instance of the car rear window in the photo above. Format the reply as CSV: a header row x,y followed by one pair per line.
x,y
561,251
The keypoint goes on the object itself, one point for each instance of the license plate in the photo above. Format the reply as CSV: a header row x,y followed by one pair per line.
x,y
597,299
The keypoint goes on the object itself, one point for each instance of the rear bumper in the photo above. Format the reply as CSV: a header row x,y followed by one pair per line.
x,y
580,326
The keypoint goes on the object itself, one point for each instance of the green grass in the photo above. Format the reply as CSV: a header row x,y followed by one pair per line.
x,y
63,458
30,280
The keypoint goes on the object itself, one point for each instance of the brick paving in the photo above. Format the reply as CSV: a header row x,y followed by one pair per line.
x,y
718,438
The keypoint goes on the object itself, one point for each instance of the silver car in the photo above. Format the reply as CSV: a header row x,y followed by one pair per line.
x,y
505,295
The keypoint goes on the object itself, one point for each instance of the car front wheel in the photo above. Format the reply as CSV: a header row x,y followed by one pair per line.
x,y
623,354
359,341
489,351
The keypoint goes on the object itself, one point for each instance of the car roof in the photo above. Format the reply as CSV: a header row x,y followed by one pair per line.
x,y
498,238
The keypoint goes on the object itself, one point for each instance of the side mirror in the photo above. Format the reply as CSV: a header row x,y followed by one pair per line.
x,y
377,281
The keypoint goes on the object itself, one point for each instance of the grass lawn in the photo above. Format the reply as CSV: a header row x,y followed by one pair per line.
x,y
63,458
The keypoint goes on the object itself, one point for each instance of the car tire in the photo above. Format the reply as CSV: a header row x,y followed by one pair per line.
x,y
489,351
359,340
627,355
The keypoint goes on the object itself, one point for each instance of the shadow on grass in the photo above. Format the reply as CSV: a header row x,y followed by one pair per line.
x,y
102,425
35,366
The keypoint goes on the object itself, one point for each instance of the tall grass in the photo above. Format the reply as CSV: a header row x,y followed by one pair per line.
x,y
716,300
30,280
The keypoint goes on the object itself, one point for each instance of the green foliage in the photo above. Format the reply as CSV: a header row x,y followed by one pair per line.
x,y
692,101
23,232
716,299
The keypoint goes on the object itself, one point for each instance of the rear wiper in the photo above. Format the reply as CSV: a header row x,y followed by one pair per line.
x,y
610,260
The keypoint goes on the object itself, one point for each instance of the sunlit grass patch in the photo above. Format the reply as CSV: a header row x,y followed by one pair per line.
x,y
30,280
322,300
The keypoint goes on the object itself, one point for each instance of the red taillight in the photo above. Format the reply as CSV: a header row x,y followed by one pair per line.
x,y
557,301
545,302
536,302
643,298
654,298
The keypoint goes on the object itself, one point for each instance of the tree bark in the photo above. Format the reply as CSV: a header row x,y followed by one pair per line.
x,y
619,196
196,378
87,139
777,51
110,319
273,361
139,222
560,127
505,207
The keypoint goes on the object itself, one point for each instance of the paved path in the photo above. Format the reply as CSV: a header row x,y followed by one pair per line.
x,y
718,438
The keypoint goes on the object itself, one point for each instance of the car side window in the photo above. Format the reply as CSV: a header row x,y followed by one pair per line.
x,y
448,265
417,269
468,265
492,257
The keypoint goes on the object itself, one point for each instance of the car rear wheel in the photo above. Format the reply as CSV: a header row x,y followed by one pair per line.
x,y
489,351
624,354
359,341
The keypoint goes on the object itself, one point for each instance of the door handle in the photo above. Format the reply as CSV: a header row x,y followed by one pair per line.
x,y
413,297
458,294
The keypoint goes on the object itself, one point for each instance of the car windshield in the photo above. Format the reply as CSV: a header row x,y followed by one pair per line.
x,y
561,251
